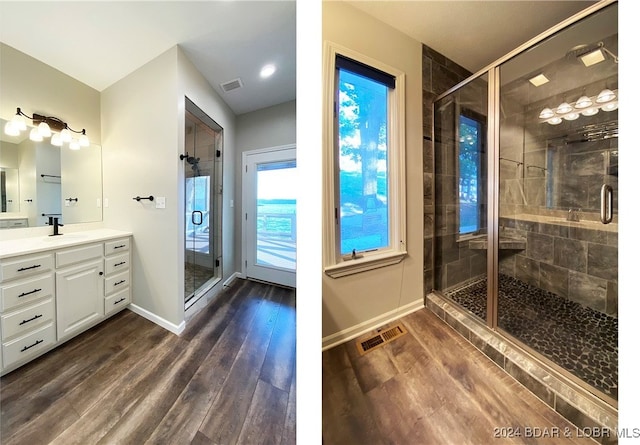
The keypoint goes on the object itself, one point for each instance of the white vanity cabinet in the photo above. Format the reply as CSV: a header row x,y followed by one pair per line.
x,y
79,276
27,307
52,290
117,292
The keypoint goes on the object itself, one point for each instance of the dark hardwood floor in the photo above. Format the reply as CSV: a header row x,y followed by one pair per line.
x,y
229,378
433,387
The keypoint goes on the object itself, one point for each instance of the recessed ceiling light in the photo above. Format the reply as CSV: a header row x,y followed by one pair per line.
x,y
592,58
538,80
267,71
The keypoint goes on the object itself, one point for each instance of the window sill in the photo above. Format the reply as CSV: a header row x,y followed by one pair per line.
x,y
364,264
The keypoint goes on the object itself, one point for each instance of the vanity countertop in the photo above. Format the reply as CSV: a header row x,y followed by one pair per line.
x,y
24,246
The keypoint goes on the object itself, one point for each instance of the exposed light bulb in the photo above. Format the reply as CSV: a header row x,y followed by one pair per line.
x,y
10,129
56,140
572,116
563,108
66,135
44,130
555,120
84,140
19,122
605,96
583,102
35,135
546,113
590,111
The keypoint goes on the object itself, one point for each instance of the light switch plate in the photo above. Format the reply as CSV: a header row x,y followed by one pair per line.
x,y
160,202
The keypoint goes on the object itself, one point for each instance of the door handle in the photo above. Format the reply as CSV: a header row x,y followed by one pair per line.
x,y
606,204
193,219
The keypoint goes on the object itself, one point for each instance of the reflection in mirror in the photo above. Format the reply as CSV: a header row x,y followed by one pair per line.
x,y
41,180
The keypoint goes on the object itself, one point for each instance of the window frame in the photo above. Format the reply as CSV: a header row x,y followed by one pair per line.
x,y
481,121
336,265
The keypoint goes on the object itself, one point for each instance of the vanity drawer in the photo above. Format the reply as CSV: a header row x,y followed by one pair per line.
x,y
28,346
78,254
25,320
116,282
24,266
117,301
26,291
116,263
117,246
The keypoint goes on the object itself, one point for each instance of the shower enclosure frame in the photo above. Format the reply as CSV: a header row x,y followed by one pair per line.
x,y
493,199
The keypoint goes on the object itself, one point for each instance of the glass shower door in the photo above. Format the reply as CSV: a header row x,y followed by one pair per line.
x,y
461,171
558,267
202,243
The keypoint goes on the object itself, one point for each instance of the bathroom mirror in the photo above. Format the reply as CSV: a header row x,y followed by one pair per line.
x,y
40,180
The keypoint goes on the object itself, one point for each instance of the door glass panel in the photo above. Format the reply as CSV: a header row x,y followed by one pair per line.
x,y
558,231
276,215
202,164
460,243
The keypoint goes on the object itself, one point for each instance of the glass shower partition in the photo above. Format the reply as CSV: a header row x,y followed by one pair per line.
x,y
557,289
203,166
461,168
526,200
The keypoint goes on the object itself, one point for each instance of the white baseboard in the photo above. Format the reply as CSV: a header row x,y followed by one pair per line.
x,y
176,329
230,280
345,335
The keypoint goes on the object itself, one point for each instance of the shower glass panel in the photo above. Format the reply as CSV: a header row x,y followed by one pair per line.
x,y
558,170
461,166
202,164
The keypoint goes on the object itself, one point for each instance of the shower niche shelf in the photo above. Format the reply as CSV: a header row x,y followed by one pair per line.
x,y
504,242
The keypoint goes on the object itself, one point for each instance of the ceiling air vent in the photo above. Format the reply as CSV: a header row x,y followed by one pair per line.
x,y
231,85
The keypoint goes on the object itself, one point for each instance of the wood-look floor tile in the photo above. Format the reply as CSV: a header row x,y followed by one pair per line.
x,y
128,381
445,391
281,356
183,419
224,420
265,419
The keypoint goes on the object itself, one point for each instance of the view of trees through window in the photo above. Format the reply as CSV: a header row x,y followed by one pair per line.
x,y
469,173
362,122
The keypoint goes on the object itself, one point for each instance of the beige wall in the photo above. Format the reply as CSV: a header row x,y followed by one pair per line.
x,y
143,121
33,86
268,127
361,299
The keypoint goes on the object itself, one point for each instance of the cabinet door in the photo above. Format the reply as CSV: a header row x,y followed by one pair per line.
x,y
79,298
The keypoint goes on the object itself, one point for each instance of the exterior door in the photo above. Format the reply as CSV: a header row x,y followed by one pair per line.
x,y
269,207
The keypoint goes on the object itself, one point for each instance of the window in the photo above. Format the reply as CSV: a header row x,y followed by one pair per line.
x,y
364,164
471,170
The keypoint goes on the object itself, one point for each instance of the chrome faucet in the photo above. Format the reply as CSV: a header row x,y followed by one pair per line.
x,y
574,215
53,221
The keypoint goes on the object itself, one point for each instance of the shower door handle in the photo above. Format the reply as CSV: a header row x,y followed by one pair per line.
x,y
606,204
193,217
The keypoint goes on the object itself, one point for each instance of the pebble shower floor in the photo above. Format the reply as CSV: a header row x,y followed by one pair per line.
x,y
579,339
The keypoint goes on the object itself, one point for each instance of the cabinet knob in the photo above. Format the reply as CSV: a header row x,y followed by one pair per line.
x,y
100,273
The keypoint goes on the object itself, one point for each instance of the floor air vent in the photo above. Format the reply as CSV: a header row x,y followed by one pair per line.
x,y
381,338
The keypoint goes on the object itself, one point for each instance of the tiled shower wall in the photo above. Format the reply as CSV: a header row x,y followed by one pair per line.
x,y
438,75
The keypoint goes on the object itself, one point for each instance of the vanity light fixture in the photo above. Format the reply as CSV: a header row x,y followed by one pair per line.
x,y
45,124
563,108
585,106
583,102
605,96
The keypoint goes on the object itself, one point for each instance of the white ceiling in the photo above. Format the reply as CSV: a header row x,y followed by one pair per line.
x,y
98,43
473,34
